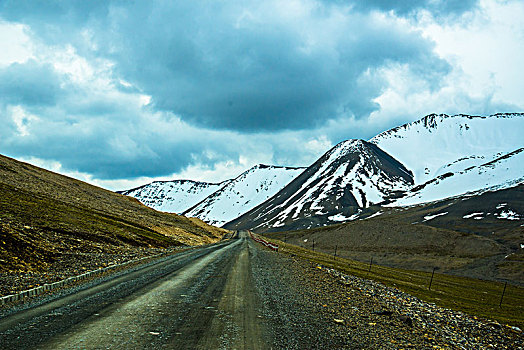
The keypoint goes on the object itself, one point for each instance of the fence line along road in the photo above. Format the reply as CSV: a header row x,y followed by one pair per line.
x,y
270,245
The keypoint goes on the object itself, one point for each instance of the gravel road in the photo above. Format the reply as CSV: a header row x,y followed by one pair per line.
x,y
232,295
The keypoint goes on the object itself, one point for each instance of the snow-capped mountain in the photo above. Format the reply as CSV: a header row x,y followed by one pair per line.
x,y
503,172
439,144
243,193
352,175
453,155
173,196
436,157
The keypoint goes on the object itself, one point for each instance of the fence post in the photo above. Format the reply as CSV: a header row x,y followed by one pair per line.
x,y
370,263
313,245
504,291
335,255
431,280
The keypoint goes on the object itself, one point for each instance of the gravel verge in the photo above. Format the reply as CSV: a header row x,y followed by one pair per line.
x,y
324,308
117,265
74,264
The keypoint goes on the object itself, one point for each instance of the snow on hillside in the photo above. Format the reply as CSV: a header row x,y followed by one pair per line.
x,y
503,172
173,196
352,175
244,193
349,167
439,144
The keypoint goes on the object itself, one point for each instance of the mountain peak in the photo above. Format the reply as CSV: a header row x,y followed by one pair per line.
x,y
352,175
266,166
243,193
173,196
432,121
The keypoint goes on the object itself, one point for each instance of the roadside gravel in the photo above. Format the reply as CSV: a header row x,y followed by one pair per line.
x,y
68,265
323,308
273,300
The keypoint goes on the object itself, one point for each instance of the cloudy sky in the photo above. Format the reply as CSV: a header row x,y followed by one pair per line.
x,y
121,93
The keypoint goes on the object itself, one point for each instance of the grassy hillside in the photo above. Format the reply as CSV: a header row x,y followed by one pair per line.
x,y
44,216
473,296
485,247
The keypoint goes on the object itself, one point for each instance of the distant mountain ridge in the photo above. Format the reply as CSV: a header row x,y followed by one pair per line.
x,y
440,143
243,193
174,196
457,154
503,172
437,157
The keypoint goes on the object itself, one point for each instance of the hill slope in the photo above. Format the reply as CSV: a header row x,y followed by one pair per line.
x,y
243,193
503,172
352,175
173,196
45,216
480,236
439,144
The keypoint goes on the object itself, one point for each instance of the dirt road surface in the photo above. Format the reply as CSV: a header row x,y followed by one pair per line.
x,y
204,299
231,295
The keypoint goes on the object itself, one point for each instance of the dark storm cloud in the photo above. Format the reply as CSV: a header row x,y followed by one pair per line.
x,y
261,74
107,148
29,83
45,115
240,66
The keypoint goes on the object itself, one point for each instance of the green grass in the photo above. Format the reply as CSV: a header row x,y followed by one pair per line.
x,y
472,296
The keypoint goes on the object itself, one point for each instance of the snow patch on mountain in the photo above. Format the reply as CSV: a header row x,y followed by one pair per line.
x,y
173,196
439,144
473,215
503,172
244,193
431,217
508,215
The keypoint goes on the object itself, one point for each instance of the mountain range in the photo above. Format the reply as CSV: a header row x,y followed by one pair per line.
x,y
173,196
243,193
352,175
436,157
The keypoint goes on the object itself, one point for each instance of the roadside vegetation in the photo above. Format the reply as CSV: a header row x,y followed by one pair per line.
x,y
472,296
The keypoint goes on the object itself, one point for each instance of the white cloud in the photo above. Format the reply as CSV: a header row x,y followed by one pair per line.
x,y
487,46
15,45
21,119
318,145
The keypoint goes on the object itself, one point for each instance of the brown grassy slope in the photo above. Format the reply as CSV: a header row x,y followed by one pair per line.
x,y
488,248
44,215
